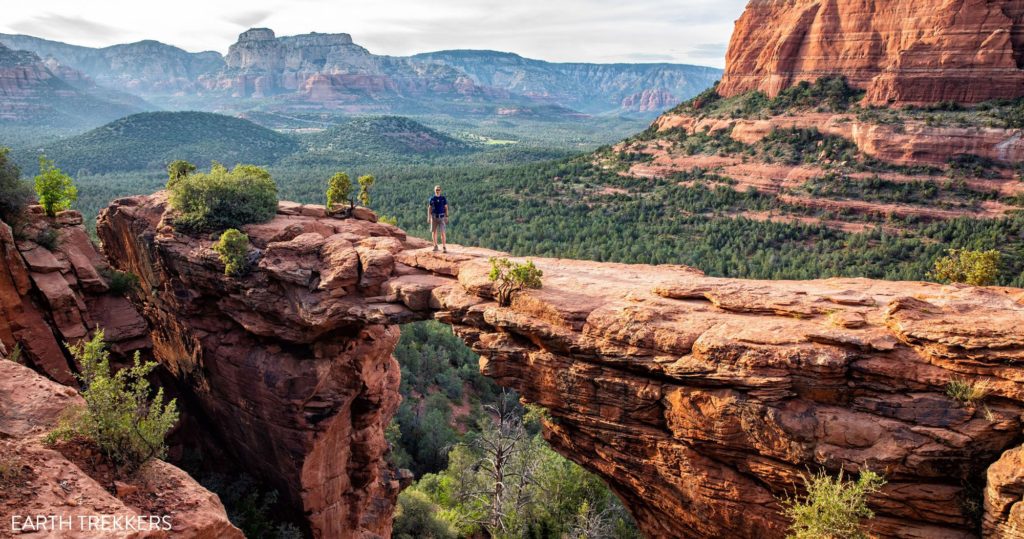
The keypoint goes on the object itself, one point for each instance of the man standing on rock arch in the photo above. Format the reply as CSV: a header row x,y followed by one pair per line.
x,y
437,216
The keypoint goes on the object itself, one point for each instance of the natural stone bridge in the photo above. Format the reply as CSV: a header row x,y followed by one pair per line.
x,y
700,400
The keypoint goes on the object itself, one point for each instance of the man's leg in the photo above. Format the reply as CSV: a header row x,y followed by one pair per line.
x,y
444,236
433,231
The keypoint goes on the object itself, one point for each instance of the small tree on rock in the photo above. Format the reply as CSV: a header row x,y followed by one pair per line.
x,y
55,190
978,268
365,182
178,170
512,277
833,507
233,248
339,190
120,417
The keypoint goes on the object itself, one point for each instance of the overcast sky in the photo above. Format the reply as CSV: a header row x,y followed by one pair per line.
x,y
685,31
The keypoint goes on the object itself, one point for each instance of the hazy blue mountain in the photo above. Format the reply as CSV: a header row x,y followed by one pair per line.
x,y
590,88
34,93
331,73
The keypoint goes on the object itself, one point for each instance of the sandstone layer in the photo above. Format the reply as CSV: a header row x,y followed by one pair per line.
x,y
899,51
292,364
699,400
41,481
910,143
56,294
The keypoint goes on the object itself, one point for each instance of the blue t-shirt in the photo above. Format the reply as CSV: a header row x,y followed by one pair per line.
x,y
438,204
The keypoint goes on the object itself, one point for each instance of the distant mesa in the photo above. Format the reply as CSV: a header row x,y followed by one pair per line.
x,y
256,34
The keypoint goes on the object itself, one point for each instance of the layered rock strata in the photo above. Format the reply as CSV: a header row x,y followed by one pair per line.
x,y
292,364
899,51
54,291
699,400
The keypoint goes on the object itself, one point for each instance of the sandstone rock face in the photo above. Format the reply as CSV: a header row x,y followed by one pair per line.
x,y
900,51
292,363
51,484
700,400
53,297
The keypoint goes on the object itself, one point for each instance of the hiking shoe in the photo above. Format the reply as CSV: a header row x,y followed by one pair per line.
x,y
435,248
444,249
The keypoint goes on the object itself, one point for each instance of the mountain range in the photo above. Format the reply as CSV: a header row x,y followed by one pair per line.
x,y
319,72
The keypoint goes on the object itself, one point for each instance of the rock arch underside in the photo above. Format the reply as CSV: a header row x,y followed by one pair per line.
x,y
700,400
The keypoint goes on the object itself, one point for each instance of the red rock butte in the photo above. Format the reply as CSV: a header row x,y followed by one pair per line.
x,y
700,400
899,51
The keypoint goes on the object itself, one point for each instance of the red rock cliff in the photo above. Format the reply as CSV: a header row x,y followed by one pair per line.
x,y
900,51
53,294
700,400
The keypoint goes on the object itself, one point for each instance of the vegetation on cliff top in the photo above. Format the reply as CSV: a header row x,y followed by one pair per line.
x,y
55,190
223,199
826,94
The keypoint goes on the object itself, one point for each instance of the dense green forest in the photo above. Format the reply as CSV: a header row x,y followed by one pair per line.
x,y
447,406
150,140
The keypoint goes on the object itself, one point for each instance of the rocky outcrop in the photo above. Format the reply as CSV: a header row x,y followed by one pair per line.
x,y
293,363
54,292
38,480
700,400
909,143
899,51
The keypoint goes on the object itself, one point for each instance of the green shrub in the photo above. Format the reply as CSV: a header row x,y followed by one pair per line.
x,y
48,239
121,282
55,190
388,220
233,248
512,277
832,508
15,354
365,183
15,194
177,170
967,391
417,516
977,268
222,199
119,415
339,189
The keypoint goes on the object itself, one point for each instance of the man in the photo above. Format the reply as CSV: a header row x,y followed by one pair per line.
x,y
437,216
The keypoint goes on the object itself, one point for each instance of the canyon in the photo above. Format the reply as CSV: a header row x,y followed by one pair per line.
x,y
700,400
332,73
900,52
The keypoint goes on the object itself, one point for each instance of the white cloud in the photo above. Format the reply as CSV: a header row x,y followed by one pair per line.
x,y
687,31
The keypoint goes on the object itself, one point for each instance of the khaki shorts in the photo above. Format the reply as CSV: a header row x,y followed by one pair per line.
x,y
438,224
